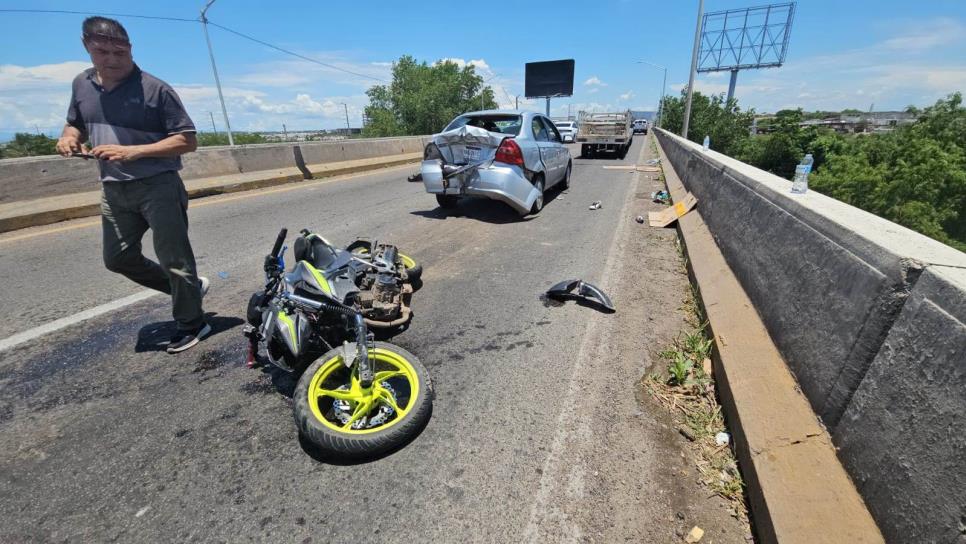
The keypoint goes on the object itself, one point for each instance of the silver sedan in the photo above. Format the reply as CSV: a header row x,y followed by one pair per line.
x,y
506,155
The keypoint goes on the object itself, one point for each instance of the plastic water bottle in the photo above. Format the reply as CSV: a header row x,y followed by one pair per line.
x,y
800,183
707,143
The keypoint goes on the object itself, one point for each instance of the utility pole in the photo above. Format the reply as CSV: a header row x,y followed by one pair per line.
x,y
694,69
212,116
548,106
516,106
284,132
214,69
346,107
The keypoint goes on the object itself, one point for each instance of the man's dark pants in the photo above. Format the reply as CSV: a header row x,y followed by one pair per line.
x,y
128,209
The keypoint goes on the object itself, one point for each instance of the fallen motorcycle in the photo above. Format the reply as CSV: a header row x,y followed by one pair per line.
x,y
356,397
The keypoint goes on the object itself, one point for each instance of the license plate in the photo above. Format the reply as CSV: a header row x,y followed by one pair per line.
x,y
472,154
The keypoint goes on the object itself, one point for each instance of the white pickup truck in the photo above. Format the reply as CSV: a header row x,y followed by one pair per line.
x,y
602,132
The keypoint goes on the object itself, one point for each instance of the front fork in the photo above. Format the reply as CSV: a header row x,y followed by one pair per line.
x,y
362,355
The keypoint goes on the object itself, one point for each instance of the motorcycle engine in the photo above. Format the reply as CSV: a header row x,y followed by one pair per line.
x,y
385,296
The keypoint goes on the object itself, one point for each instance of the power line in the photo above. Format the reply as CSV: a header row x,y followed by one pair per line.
x,y
287,52
182,19
212,23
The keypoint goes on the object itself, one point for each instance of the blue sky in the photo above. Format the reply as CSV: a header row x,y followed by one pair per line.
x,y
842,54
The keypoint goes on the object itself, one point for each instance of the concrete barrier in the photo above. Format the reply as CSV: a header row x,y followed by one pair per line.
x,y
844,294
39,177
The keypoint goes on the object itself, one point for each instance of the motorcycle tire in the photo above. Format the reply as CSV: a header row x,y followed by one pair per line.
x,y
413,269
344,421
253,312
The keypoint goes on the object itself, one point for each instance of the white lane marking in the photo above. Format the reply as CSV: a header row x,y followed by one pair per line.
x,y
543,512
37,332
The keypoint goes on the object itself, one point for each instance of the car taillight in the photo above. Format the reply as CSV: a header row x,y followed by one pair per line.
x,y
431,152
509,153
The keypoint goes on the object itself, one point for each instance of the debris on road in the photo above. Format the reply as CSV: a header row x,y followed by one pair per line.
x,y
722,439
652,162
694,535
586,292
418,176
639,219
661,196
706,366
669,215
595,206
223,275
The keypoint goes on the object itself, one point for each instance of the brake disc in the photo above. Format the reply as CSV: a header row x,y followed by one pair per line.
x,y
343,411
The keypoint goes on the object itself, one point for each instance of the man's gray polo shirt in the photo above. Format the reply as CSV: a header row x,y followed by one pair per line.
x,y
141,110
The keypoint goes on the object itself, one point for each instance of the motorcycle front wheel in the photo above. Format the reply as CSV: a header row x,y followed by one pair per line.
x,y
345,420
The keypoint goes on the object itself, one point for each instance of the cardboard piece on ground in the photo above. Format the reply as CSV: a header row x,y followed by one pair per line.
x,y
632,167
669,215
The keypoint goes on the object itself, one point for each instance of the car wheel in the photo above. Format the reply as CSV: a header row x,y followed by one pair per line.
x,y
447,201
538,203
566,179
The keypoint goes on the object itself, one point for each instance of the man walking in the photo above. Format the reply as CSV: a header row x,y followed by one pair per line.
x,y
139,130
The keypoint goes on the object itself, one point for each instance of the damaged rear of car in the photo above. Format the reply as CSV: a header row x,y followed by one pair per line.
x,y
510,156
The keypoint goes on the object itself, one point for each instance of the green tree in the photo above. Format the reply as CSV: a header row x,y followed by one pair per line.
x,y
28,145
915,175
711,116
423,98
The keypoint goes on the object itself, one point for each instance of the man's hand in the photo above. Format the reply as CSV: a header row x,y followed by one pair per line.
x,y
68,145
117,152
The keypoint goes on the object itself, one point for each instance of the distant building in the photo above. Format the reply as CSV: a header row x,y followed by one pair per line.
x,y
851,123
879,121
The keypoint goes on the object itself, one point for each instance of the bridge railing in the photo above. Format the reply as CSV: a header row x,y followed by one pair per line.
x,y
869,316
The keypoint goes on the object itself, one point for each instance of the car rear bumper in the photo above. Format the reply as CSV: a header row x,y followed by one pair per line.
x,y
496,181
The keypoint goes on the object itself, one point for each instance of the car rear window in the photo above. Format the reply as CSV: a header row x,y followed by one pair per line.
x,y
564,125
504,124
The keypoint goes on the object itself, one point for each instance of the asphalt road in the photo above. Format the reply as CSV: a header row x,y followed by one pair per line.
x,y
104,437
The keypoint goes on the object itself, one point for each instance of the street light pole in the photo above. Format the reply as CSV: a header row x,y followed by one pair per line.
x,y
694,68
214,69
660,104
344,105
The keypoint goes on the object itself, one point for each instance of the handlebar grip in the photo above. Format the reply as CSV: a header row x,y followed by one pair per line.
x,y
278,242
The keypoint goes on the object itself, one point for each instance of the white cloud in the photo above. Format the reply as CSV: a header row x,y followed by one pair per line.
x,y
594,81
44,76
929,35
593,90
479,64
303,73
627,96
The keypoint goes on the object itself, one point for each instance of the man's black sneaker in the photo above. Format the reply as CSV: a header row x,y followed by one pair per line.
x,y
187,339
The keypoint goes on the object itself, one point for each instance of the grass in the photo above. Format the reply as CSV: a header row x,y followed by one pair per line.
x,y
687,390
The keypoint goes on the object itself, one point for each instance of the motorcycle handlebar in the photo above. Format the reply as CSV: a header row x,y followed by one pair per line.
x,y
279,241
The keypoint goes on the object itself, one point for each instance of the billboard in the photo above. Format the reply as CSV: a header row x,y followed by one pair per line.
x,y
549,78
745,38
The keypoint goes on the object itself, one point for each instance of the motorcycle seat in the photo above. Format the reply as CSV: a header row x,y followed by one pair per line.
x,y
314,249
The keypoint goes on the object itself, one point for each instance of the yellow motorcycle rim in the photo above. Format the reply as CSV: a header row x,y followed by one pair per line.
x,y
389,367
